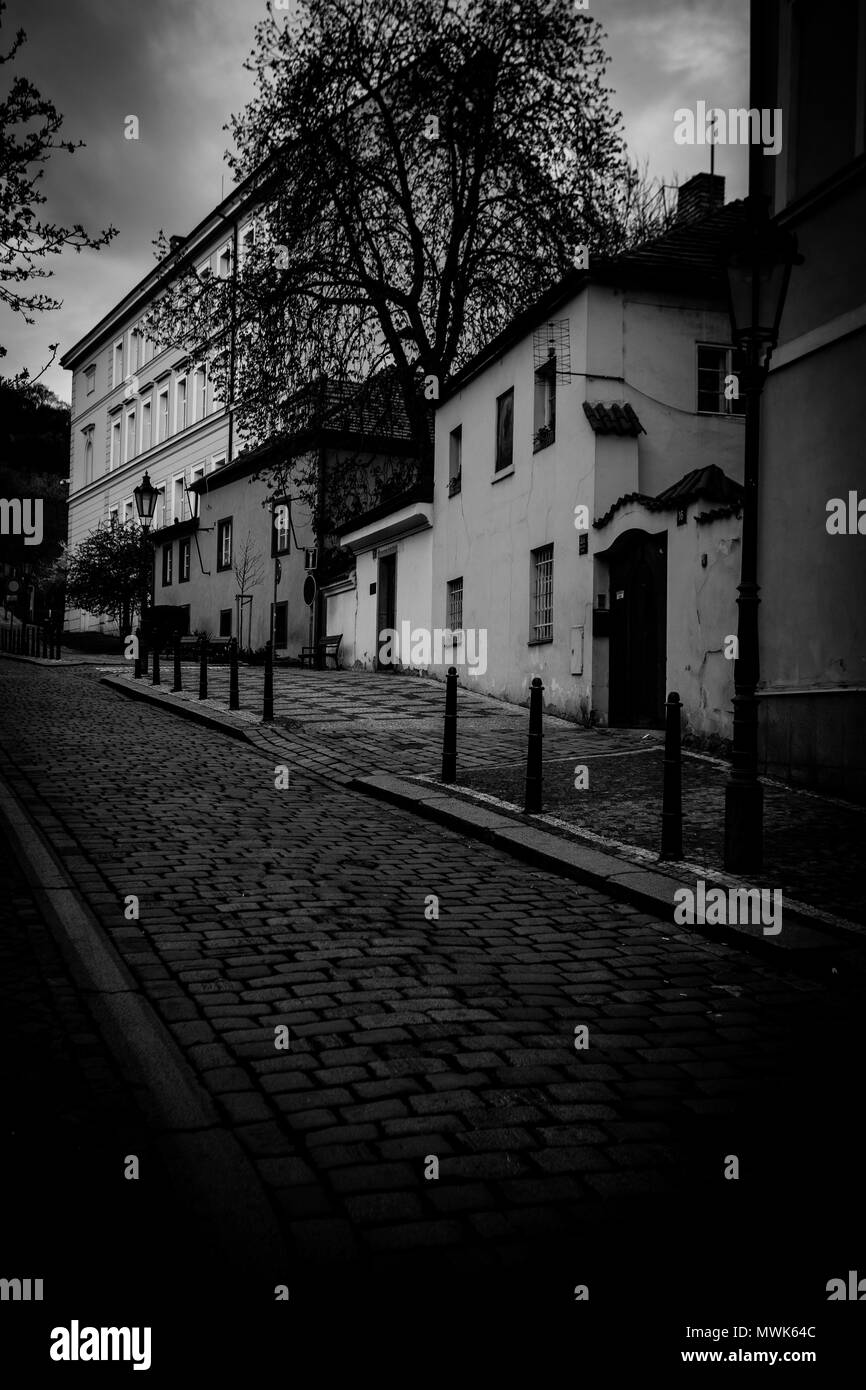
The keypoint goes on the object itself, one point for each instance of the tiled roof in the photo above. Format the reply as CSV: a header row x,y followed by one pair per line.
x,y
709,484
616,418
686,248
374,407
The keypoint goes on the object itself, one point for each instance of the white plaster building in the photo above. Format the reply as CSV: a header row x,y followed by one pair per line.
x,y
608,395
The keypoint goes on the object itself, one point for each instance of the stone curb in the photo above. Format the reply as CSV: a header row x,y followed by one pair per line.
x,y
154,695
641,886
213,1172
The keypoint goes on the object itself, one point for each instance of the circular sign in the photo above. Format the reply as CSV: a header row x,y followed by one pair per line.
x,y
309,590
12,586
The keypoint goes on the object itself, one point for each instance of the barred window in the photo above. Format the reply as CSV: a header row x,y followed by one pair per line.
x,y
542,595
455,605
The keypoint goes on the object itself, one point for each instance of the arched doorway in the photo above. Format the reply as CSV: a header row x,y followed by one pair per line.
x,y
638,629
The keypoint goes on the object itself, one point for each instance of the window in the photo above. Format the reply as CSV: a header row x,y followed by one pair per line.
x,y
118,363
714,365
162,415
224,264
200,392
280,543
88,455
90,380
114,456
146,427
825,40
224,544
183,559
505,430
195,475
134,350
180,420
178,506
216,462
542,595
455,460
130,435
159,509
113,517
455,605
225,622
127,511
544,409
167,554
247,241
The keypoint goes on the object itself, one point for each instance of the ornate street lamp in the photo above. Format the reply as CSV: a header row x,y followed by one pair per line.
x,y
145,501
145,504
758,261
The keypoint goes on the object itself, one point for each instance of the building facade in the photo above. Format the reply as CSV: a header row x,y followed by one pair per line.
x,y
137,407
811,62
584,524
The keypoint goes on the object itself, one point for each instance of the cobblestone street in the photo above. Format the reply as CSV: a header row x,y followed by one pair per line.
x,y
414,1036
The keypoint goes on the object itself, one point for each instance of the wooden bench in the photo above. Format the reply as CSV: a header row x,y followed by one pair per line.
x,y
190,648
325,647
218,647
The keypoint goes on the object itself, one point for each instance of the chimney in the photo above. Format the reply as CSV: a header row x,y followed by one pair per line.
x,y
699,196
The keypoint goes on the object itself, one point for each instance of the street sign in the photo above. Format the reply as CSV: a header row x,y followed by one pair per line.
x,y
309,590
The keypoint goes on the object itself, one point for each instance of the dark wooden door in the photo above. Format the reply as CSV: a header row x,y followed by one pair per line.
x,y
638,630
386,604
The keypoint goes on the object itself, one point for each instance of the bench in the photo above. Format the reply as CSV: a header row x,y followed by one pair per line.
x,y
325,647
218,647
190,648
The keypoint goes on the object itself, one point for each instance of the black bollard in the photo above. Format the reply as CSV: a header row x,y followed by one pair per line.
x,y
672,790
532,800
178,683
449,738
202,669
137,668
268,704
234,698
156,680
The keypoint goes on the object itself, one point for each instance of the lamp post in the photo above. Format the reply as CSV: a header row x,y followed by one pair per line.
x,y
758,261
146,496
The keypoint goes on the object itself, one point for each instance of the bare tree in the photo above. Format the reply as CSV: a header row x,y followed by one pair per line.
x,y
29,126
423,169
249,572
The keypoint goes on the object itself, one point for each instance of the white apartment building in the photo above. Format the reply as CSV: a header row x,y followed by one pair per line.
x,y
138,408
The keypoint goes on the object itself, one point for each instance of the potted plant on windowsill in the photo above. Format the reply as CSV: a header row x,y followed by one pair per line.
x,y
543,437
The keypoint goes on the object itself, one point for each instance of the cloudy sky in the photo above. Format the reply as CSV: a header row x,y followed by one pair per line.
x,y
178,66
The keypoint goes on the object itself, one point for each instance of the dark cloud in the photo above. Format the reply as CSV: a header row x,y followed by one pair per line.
x,y
178,66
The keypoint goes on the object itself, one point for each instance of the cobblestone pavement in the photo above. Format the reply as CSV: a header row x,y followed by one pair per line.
x,y
354,723
413,1036
68,1123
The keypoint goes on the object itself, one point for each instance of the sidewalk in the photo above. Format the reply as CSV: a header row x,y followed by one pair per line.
x,y
353,724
